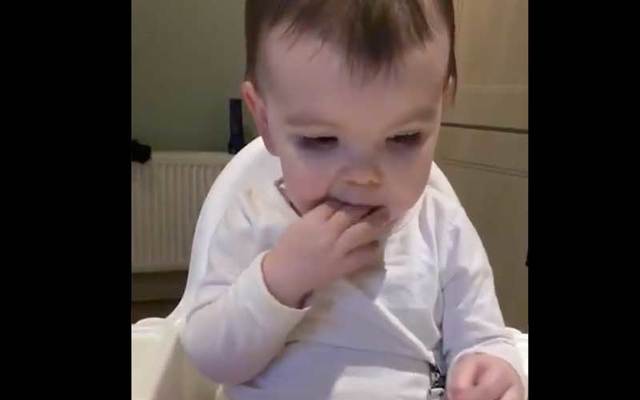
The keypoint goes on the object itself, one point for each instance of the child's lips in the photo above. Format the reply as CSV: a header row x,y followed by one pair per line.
x,y
372,207
346,203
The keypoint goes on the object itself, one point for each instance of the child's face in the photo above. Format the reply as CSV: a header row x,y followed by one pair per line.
x,y
339,137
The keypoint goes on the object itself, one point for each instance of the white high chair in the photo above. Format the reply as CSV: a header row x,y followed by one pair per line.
x,y
160,368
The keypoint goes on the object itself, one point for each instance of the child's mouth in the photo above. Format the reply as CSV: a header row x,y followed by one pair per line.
x,y
372,208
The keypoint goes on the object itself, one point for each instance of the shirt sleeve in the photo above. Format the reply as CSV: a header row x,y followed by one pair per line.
x,y
472,319
235,326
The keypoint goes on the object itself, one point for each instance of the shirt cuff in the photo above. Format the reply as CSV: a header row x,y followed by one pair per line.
x,y
267,310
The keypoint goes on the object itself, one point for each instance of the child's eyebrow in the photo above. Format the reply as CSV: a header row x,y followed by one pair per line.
x,y
423,114
307,119
418,114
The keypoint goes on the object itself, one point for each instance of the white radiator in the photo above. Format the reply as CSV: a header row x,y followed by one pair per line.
x,y
167,193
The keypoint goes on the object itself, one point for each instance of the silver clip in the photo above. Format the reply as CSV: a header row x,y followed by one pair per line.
x,y
436,394
437,390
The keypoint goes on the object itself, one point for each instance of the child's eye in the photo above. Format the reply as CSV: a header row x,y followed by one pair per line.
x,y
318,142
408,139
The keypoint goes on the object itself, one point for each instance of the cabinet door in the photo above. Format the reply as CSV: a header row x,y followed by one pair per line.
x,y
493,64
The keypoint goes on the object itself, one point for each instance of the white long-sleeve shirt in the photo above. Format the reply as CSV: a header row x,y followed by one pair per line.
x,y
370,336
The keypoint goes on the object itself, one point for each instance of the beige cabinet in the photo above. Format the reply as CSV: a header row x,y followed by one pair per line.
x,y
483,145
493,64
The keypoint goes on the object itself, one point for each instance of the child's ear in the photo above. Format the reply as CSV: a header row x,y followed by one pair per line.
x,y
449,93
259,113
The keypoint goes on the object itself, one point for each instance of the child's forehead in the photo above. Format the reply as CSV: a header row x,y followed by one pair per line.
x,y
307,63
309,78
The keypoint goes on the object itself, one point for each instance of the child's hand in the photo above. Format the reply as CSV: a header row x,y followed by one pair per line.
x,y
484,377
328,242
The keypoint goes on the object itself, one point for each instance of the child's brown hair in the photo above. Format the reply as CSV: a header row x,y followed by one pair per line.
x,y
372,33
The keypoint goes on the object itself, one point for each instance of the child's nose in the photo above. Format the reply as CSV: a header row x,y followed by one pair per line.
x,y
363,175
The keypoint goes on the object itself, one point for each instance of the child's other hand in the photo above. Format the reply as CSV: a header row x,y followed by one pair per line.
x,y
484,377
328,242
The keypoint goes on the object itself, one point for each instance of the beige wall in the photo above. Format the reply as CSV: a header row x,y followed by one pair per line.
x,y
187,60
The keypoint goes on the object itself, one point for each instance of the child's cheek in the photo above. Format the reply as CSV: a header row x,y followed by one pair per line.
x,y
403,198
304,190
